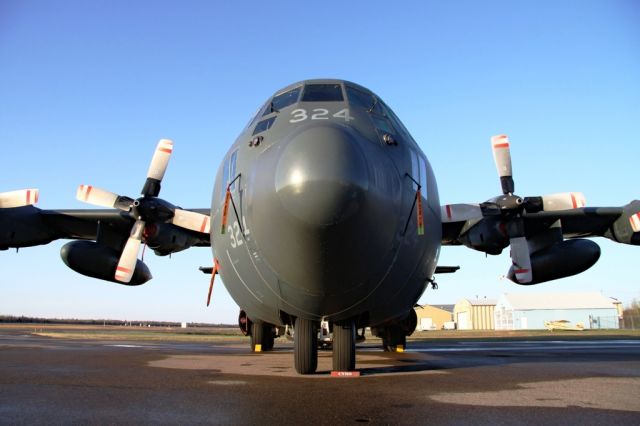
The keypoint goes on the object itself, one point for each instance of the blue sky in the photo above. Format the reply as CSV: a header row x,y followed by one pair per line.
x,y
87,89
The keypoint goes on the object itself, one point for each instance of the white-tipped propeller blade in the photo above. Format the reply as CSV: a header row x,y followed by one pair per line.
x,y
563,201
160,159
191,220
521,259
502,158
460,212
502,154
20,198
96,196
129,257
634,220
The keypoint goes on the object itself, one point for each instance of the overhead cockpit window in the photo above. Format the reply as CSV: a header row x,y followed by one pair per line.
x,y
264,125
283,100
322,93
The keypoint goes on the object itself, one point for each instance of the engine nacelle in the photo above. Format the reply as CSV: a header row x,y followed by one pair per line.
x,y
97,261
23,227
561,260
488,236
165,238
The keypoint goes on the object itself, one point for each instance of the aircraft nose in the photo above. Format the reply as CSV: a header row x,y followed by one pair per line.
x,y
322,177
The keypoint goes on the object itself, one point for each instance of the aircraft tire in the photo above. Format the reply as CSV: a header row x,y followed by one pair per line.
x,y
393,337
344,346
305,346
257,334
267,337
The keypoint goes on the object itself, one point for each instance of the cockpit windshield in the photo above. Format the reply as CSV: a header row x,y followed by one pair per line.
x,y
283,100
322,93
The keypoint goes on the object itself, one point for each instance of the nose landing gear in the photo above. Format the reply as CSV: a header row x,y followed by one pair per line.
x,y
305,346
344,345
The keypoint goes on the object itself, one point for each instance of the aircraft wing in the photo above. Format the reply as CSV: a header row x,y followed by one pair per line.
x,y
580,222
545,245
28,226
107,241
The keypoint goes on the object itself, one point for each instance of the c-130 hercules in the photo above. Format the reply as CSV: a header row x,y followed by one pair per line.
x,y
324,208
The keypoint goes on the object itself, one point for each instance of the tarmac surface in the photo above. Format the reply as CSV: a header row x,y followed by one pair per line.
x,y
60,381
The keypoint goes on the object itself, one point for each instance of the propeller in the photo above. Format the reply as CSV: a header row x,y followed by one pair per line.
x,y
20,198
502,158
511,208
147,209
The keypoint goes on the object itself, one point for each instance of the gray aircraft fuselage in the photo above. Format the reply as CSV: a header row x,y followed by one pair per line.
x,y
322,220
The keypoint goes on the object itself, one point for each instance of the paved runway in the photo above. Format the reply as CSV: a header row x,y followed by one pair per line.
x,y
44,380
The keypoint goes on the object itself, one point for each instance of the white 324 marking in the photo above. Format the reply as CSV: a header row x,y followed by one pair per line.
x,y
235,234
319,114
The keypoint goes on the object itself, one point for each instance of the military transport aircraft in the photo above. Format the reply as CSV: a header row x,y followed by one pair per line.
x,y
324,209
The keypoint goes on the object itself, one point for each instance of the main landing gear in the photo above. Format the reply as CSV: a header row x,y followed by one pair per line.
x,y
262,336
394,339
305,346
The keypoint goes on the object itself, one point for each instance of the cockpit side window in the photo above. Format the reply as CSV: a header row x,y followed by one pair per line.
x,y
322,93
383,125
360,98
283,100
229,173
259,113
264,125
397,123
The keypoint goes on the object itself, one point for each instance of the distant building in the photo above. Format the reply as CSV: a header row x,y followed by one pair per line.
x,y
474,314
433,317
530,311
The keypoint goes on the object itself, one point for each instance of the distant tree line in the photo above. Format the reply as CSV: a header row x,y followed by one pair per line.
x,y
35,320
631,315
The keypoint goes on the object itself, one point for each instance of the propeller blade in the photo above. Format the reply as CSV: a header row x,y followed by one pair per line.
x,y
502,158
460,212
20,198
634,220
96,196
191,220
158,167
563,201
129,257
521,259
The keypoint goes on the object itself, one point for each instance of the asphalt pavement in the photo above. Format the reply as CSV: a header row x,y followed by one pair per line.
x,y
60,381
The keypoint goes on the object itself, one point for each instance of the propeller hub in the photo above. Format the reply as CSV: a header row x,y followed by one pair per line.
x,y
509,202
151,209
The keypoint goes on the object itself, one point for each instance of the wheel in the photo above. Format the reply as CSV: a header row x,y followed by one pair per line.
x,y
257,335
344,346
267,337
262,334
305,346
392,338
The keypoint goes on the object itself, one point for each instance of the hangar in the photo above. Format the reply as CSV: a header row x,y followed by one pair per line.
x,y
433,317
474,314
530,311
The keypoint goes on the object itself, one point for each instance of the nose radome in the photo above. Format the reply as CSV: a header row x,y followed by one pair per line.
x,y
321,176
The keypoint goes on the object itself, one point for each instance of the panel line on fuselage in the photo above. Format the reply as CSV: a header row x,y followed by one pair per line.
x,y
240,278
